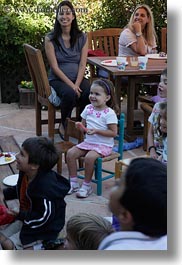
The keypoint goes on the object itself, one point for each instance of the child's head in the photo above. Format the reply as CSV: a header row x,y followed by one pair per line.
x,y
40,151
162,88
140,200
102,92
86,231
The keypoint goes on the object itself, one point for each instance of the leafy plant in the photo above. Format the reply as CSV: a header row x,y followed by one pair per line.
x,y
27,84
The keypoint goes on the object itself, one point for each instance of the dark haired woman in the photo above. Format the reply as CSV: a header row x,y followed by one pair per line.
x,y
66,49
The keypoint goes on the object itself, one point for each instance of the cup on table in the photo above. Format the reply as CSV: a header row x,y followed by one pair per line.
x,y
142,62
154,51
133,61
121,63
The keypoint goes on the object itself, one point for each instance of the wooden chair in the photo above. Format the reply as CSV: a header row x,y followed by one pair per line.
x,y
164,40
106,40
147,109
124,163
39,77
98,177
71,137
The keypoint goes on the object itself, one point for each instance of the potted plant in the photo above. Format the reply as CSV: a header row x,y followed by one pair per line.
x,y
26,94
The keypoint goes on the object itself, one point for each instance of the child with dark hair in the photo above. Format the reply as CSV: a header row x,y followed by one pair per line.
x,y
140,204
40,192
101,121
66,48
85,231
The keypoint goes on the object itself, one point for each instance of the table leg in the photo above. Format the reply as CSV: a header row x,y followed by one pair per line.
x,y
129,134
118,87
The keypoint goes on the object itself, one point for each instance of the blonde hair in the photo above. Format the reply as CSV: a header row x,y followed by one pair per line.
x,y
87,231
149,30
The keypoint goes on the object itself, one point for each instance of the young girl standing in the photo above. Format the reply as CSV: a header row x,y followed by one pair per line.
x,y
100,121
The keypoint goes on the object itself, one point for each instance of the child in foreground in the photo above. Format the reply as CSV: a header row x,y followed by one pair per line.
x,y
101,122
140,204
40,192
86,231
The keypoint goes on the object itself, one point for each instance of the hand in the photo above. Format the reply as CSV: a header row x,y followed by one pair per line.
x,y
80,126
77,90
137,27
153,154
91,131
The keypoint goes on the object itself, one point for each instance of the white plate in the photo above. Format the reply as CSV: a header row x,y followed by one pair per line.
x,y
4,162
11,180
110,63
156,56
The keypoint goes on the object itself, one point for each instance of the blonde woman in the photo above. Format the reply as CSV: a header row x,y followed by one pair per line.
x,y
139,36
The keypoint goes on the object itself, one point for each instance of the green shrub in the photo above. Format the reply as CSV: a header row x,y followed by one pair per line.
x,y
18,25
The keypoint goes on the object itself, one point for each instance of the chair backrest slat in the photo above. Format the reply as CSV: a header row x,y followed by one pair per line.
x,y
37,70
164,40
72,132
105,39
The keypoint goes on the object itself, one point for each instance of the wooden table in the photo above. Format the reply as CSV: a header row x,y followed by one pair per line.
x,y
8,144
135,76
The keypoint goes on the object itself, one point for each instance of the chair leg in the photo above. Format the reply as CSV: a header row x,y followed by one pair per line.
x,y
136,96
145,132
59,164
118,169
98,175
77,113
51,122
38,117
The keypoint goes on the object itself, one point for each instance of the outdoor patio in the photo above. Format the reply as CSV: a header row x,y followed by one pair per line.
x,y
20,122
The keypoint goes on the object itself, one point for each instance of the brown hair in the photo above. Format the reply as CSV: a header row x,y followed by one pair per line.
x,y
108,87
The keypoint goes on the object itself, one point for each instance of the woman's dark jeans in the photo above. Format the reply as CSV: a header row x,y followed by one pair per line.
x,y
69,98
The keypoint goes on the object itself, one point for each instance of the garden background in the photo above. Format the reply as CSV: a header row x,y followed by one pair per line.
x,y
28,21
